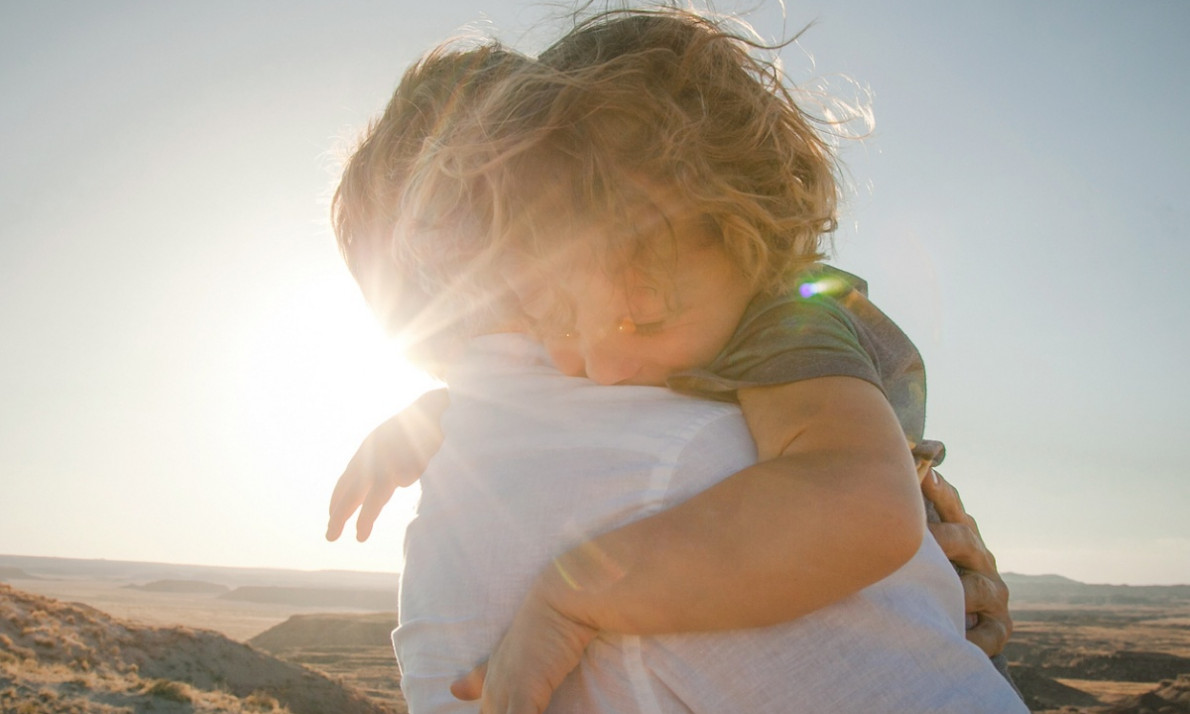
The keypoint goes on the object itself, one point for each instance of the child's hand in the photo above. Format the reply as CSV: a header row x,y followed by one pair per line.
x,y
394,454
529,663
989,623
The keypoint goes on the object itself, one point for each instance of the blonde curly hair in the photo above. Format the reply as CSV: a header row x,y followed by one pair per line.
x,y
633,114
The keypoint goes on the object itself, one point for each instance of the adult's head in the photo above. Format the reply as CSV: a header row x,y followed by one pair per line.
x,y
402,272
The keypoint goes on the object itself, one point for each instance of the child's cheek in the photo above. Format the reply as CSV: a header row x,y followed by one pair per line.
x,y
566,357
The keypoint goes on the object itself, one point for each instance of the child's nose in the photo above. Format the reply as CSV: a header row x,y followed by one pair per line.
x,y
607,364
566,356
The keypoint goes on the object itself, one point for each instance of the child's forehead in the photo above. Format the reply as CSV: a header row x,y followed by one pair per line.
x,y
650,254
635,249
632,233
646,227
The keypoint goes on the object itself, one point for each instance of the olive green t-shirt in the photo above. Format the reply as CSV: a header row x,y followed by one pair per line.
x,y
822,325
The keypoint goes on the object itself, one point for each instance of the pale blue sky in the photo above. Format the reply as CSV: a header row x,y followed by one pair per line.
x,y
186,364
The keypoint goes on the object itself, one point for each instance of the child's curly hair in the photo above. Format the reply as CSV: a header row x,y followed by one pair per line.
x,y
637,113
395,271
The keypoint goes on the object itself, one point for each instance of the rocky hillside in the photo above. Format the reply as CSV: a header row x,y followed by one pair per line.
x,y
352,647
327,630
67,657
1059,590
1100,649
1171,697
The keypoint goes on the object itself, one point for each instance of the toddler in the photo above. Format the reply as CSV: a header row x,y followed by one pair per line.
x,y
656,201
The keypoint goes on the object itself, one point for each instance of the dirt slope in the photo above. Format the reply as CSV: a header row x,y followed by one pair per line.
x,y
67,657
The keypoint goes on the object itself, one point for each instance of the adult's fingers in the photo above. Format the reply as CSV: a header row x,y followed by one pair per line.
x,y
963,546
983,594
990,634
984,591
945,498
987,599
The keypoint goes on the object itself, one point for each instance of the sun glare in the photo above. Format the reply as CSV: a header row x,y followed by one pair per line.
x,y
320,373
320,342
317,374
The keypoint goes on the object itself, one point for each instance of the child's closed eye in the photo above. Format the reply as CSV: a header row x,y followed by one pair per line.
x,y
649,311
629,326
649,328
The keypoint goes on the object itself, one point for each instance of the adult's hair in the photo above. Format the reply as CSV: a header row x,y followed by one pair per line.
x,y
401,273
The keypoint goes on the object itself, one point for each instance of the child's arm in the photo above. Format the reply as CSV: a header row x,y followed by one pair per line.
x,y
394,454
835,507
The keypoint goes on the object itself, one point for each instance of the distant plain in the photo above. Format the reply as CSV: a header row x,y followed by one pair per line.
x,y
117,588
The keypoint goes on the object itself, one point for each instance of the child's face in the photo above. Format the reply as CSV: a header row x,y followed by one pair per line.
x,y
635,330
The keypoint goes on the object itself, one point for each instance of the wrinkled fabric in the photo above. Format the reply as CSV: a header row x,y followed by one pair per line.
x,y
821,325
535,462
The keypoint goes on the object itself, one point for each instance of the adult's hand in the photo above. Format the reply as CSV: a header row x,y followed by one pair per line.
x,y
540,648
393,455
989,623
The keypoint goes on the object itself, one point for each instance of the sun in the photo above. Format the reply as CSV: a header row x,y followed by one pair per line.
x,y
317,374
319,344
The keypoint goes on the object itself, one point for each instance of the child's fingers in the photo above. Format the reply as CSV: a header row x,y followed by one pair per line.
x,y
373,503
347,496
334,529
336,523
522,703
469,687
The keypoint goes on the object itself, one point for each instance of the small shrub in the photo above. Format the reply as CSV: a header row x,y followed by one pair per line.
x,y
169,690
259,701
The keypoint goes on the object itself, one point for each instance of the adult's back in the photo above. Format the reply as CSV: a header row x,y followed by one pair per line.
x,y
535,463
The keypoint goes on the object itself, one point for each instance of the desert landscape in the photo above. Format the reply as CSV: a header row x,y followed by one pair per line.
x,y
108,636
92,636
1100,648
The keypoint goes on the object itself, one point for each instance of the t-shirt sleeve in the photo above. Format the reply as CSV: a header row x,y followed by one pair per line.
x,y
783,340
837,333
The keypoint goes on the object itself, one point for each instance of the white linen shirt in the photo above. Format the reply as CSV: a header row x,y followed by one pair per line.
x,y
535,462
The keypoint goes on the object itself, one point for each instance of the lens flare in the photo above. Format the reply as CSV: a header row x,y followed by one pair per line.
x,y
822,286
